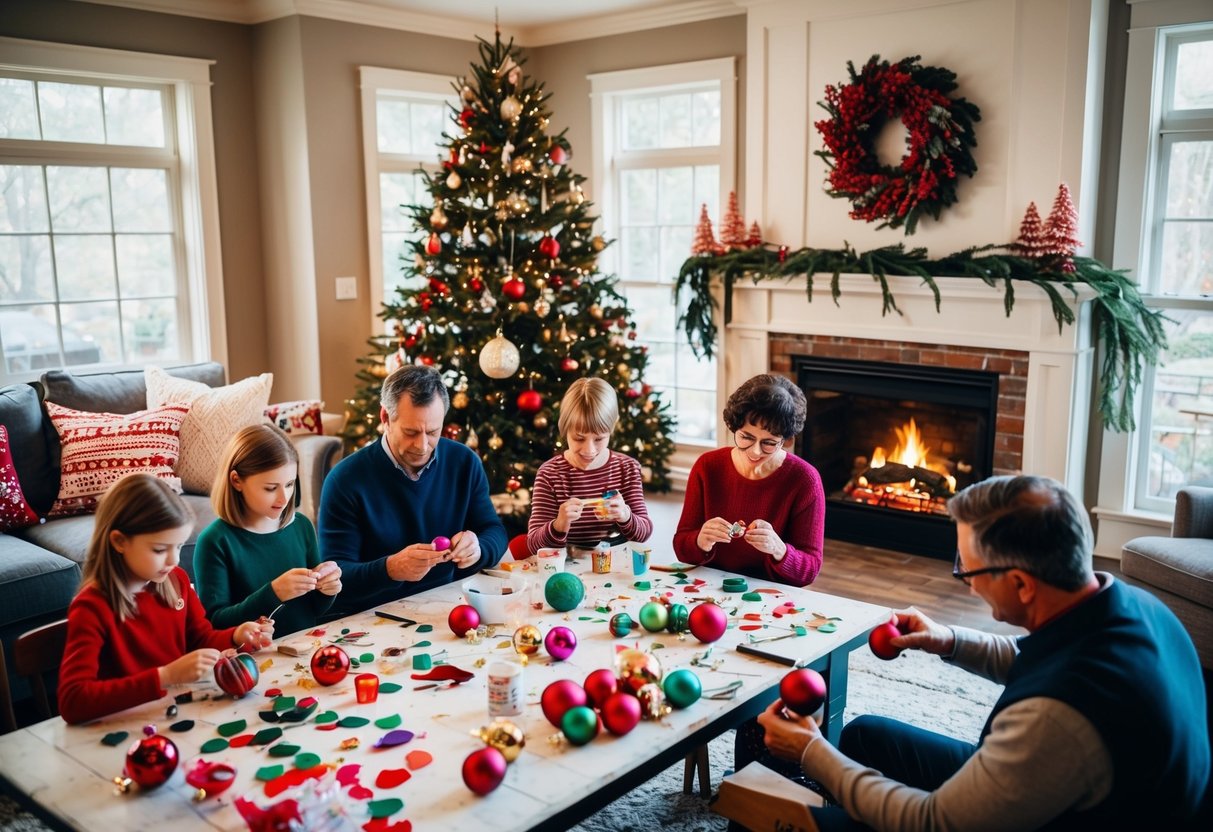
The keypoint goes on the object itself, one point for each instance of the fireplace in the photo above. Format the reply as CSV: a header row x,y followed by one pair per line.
x,y
892,442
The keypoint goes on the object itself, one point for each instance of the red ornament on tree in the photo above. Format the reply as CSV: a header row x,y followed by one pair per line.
x,y
484,769
463,618
438,287
549,247
1061,232
513,289
569,364
424,301
452,431
620,713
152,760
732,227
558,697
555,281
476,285
705,240
530,402
599,685
513,484
433,245
465,118
558,155
803,691
330,665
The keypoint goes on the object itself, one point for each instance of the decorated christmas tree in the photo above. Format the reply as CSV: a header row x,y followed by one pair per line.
x,y
705,241
1031,243
1061,232
504,297
732,226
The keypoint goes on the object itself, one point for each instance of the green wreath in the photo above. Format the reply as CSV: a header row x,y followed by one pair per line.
x,y
940,136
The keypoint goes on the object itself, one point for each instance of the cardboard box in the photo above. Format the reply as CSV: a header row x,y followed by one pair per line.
x,y
765,801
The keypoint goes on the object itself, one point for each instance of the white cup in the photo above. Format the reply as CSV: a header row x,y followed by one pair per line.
x,y
505,688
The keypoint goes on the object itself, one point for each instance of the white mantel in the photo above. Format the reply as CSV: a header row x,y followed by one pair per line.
x,y
971,314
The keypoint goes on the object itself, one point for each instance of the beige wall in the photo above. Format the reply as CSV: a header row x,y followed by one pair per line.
x,y
230,46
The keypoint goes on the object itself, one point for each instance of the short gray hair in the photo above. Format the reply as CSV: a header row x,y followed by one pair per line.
x,y
422,384
1029,523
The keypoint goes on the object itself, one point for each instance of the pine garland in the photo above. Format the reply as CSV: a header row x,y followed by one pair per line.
x,y
1132,333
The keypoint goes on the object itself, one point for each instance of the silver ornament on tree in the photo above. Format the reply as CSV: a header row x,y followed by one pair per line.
x,y
499,358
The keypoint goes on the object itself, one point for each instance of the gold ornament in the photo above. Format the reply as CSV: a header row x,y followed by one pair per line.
x,y
652,701
546,335
542,307
503,735
459,401
595,311
495,442
523,307
597,243
454,180
636,668
511,108
438,218
473,441
522,164
623,369
379,371
540,421
527,639
502,211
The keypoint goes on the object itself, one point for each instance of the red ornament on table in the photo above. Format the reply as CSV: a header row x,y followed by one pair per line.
x,y
529,402
599,685
513,289
560,642
484,769
708,622
236,674
433,245
620,713
330,665
558,697
549,247
151,761
880,640
462,619
803,691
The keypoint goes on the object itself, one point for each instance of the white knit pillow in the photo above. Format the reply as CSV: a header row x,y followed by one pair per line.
x,y
216,413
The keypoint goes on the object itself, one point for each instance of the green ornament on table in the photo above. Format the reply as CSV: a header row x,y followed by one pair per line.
x,y
654,617
563,591
682,688
621,624
679,619
579,724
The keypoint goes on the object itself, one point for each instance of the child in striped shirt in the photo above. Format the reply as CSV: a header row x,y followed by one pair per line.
x,y
588,493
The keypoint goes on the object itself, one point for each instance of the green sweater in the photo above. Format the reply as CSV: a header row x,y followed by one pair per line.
x,y
233,569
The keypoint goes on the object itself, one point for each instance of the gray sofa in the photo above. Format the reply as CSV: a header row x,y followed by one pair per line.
x,y
40,566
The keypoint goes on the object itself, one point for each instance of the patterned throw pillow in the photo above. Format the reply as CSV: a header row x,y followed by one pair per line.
x,y
216,413
101,448
15,512
296,417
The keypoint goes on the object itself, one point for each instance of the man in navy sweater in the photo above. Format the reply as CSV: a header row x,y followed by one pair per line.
x,y
1101,725
382,507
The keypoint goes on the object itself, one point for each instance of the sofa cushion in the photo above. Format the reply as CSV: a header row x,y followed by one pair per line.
x,y
101,448
34,581
296,417
1179,565
121,392
215,415
37,465
15,512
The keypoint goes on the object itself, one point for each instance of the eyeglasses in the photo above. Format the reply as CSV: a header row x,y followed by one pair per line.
x,y
744,442
967,577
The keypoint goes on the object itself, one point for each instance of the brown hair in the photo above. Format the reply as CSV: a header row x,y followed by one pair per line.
x,y
588,405
136,504
767,401
254,450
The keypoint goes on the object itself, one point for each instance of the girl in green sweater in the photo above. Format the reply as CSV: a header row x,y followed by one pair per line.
x,y
259,558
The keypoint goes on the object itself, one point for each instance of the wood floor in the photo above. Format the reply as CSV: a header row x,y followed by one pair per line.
x,y
877,576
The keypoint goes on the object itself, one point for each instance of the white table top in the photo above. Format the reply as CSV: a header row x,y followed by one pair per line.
x,y
68,771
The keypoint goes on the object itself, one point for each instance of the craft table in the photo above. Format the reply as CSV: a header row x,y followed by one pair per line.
x,y
65,773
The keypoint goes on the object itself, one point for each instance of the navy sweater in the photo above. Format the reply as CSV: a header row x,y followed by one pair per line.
x,y
369,509
1124,661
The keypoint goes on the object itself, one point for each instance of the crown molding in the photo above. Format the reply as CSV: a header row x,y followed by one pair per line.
x,y
251,12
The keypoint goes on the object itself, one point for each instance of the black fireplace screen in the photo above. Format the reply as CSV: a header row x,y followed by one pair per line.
x,y
892,442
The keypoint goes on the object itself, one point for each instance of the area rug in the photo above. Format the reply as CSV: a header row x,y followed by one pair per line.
x,y
915,688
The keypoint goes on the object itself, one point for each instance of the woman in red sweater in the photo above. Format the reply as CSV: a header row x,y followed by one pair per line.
x,y
136,627
754,508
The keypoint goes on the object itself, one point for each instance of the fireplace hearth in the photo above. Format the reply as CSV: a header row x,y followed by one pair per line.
x,y
892,443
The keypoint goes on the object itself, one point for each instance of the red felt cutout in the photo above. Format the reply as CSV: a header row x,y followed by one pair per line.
x,y
307,702
752,616
777,613
240,741
385,825
418,759
272,692
699,582
444,673
360,792
769,590
750,627
390,778
294,777
347,775
690,589
327,726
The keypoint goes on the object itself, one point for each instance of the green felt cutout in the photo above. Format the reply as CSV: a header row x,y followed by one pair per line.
x,y
657,645
827,627
354,722
284,749
386,806
606,586
284,703
583,618
681,581
354,663
307,760
345,631
679,575
389,722
643,585
330,716
367,658
425,628
422,661
800,631
231,729
266,736
389,687
267,773
213,745
114,738
422,644
602,609
182,726
752,596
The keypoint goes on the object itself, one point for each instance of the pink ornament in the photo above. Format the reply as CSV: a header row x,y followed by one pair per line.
x,y
440,543
560,643
599,685
484,769
462,619
708,622
152,760
330,665
803,691
620,713
880,640
558,697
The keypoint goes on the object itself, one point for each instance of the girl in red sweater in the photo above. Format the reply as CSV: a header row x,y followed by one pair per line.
x,y
136,627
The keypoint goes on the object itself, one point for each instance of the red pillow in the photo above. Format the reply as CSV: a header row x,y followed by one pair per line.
x,y
15,512
296,417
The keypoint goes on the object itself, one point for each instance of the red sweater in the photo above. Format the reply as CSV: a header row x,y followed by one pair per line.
x,y
109,666
557,481
791,499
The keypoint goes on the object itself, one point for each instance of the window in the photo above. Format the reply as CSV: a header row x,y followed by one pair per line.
x,y
107,210
664,147
404,115
1175,441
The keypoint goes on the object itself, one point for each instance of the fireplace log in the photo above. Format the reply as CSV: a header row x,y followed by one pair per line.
x,y
892,472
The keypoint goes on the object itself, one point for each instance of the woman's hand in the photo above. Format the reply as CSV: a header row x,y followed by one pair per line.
x,y
762,537
189,668
714,531
787,734
568,513
330,578
251,636
293,582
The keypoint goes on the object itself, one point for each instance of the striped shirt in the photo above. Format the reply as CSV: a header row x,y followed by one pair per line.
x,y
557,481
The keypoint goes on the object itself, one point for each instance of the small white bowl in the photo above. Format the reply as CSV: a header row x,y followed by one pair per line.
x,y
550,561
486,594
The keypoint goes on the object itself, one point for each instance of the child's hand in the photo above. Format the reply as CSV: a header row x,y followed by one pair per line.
x,y
330,578
189,668
569,513
294,582
618,510
716,530
762,537
251,636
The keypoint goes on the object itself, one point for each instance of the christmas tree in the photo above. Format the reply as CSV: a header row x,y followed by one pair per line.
x,y
732,227
1061,232
504,296
705,240
1031,243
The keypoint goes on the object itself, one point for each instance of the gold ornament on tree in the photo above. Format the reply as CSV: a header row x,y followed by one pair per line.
x,y
438,218
511,108
540,422
454,180
597,243
495,442
499,358
459,401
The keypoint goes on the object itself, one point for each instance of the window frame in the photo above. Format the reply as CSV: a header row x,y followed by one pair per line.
x,y
420,85
192,171
607,91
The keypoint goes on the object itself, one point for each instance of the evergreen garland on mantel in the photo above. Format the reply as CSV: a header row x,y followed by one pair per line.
x,y
1132,334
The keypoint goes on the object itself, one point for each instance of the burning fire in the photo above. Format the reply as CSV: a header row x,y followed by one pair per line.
x,y
909,480
910,451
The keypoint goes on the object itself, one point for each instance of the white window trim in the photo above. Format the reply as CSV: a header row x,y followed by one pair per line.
x,y
190,79
604,86
371,80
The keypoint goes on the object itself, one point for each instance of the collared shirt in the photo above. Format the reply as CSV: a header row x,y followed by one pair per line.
x,y
387,449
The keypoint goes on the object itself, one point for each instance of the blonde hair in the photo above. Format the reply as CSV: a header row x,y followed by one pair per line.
x,y
590,406
136,504
254,450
